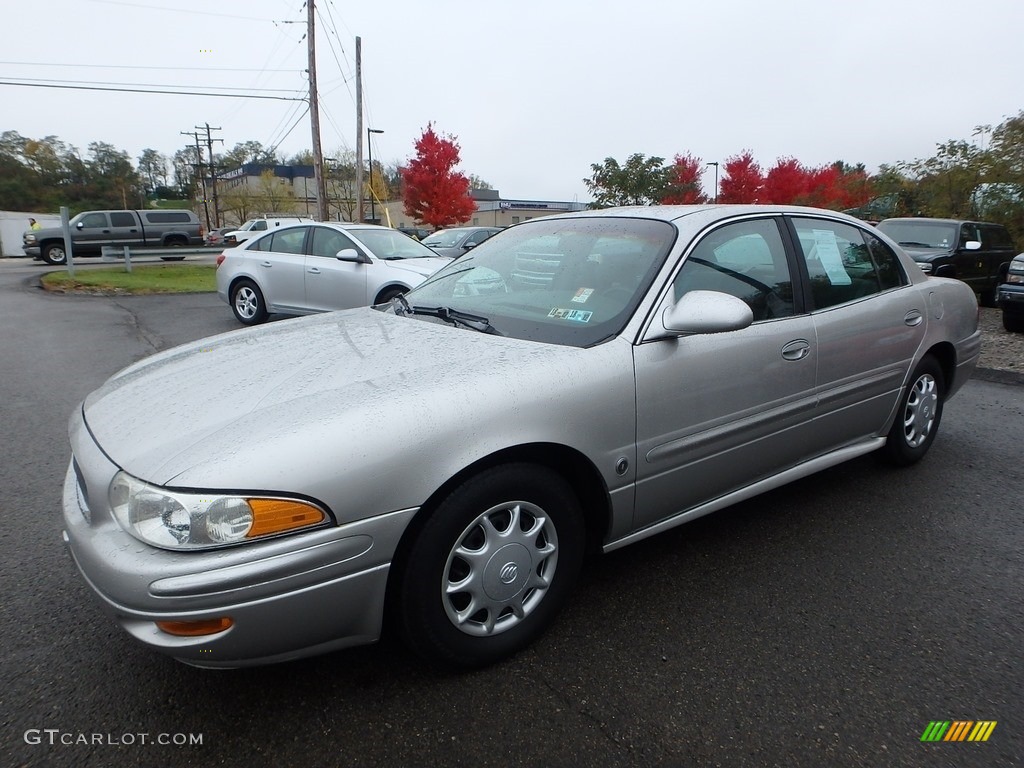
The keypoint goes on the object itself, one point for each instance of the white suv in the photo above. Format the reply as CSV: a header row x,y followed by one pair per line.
x,y
257,226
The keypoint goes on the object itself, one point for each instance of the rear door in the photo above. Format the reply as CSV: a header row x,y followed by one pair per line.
x,y
279,264
868,321
125,229
716,412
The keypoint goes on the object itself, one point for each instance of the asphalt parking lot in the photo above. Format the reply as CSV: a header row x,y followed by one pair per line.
x,y
825,623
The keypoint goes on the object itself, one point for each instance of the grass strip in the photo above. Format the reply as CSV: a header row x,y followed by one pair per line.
x,y
143,279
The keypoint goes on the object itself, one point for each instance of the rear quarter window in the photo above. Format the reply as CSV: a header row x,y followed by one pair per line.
x,y
168,217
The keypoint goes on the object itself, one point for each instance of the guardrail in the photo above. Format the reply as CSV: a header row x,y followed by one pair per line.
x,y
125,253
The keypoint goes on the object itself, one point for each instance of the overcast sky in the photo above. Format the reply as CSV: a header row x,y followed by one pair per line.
x,y
534,91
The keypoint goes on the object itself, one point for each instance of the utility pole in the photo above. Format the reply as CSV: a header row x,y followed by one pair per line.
x,y
199,173
213,173
314,117
359,129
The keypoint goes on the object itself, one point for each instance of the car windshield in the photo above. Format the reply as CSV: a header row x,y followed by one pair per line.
x,y
391,244
445,238
573,281
920,234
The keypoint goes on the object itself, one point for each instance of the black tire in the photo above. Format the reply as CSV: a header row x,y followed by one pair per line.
x,y
247,303
918,417
387,295
54,254
518,578
1013,321
989,298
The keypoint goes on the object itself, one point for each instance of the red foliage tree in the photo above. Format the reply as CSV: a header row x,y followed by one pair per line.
x,y
742,181
786,183
684,187
433,192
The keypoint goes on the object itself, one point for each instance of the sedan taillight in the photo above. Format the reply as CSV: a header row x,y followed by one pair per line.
x,y
220,259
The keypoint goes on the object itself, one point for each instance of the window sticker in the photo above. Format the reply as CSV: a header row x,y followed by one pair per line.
x,y
582,295
576,315
827,250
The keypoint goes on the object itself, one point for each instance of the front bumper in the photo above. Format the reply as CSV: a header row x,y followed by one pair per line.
x,y
32,250
288,597
1010,297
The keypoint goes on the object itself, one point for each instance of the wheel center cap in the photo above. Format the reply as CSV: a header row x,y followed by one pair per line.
x,y
507,572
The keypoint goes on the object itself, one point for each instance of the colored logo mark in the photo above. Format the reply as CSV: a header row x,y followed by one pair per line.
x,y
958,730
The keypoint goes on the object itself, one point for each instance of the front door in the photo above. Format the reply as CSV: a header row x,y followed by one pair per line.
x,y
717,411
330,282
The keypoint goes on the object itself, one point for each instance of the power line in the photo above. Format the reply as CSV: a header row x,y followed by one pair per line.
x,y
134,66
145,90
154,85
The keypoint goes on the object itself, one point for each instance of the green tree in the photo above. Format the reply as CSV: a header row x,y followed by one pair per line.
x,y
640,181
153,169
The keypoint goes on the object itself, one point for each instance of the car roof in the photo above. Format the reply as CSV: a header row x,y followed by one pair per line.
x,y
710,211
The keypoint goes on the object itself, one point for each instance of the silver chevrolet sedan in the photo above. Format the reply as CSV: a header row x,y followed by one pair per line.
x,y
302,269
445,460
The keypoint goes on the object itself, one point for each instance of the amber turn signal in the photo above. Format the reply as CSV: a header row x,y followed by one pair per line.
x,y
279,515
195,628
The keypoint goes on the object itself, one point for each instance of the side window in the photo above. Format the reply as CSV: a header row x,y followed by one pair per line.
x,y
969,232
887,264
122,219
259,226
327,242
748,261
995,237
478,237
260,244
838,262
94,220
288,240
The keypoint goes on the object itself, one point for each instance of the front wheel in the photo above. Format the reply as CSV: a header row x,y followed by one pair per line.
x,y
387,295
491,567
917,419
54,254
1013,321
247,303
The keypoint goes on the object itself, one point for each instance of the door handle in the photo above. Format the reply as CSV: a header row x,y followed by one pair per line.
x,y
797,349
266,264
913,317
313,271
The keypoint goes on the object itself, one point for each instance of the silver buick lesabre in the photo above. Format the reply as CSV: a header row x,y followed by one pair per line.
x,y
444,460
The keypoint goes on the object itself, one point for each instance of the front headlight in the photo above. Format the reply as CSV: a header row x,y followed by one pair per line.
x,y
175,520
29,238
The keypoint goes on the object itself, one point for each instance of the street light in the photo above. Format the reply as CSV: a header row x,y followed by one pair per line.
x,y
369,149
716,181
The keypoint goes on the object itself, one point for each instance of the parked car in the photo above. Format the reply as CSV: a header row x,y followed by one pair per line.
x,y
320,267
416,233
445,459
216,236
456,241
975,252
254,227
91,230
1011,296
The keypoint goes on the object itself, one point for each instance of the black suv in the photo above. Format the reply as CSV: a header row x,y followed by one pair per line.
x,y
972,251
1011,296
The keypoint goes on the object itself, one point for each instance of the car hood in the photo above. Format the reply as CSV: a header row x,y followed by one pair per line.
x,y
926,254
246,409
452,251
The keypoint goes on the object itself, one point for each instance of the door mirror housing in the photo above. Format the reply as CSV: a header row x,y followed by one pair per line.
x,y
972,245
699,312
351,254
80,225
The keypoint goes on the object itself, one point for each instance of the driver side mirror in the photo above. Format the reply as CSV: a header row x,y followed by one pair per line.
x,y
80,225
972,245
351,254
706,312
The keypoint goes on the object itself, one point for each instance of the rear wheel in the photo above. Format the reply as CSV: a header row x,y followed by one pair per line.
x,y
54,254
247,303
917,419
491,567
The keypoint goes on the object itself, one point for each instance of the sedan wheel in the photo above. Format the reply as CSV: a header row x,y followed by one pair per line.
x,y
491,566
247,303
920,411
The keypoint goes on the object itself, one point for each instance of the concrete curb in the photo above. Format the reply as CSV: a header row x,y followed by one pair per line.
x,y
999,376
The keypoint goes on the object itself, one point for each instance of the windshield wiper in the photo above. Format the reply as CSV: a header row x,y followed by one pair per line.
x,y
449,315
912,244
